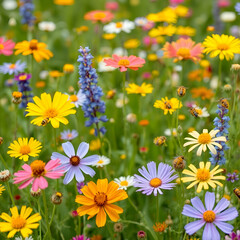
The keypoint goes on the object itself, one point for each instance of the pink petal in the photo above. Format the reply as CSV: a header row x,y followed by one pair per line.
x,y
54,175
25,184
27,168
35,185
52,164
42,183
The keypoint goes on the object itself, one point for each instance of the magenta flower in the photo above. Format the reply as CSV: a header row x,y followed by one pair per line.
x,y
36,172
155,179
209,216
80,237
233,236
6,47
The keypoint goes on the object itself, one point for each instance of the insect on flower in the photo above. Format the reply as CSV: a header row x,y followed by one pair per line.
x,y
181,91
224,103
193,112
237,192
45,122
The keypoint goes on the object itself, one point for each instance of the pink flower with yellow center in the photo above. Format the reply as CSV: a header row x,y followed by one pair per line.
x,y
183,49
36,172
123,63
6,47
98,15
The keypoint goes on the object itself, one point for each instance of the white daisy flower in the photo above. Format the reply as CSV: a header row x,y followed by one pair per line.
x,y
124,182
77,99
47,26
202,112
69,134
168,132
204,140
102,161
125,26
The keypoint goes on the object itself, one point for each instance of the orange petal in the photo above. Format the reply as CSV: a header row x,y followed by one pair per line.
x,y
101,218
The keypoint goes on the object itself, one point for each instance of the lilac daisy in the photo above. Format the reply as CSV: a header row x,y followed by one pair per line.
x,y
232,177
209,216
233,236
154,180
12,68
75,163
69,134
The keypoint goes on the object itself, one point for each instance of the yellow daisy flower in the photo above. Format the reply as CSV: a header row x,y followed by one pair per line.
x,y
37,49
48,110
168,105
203,176
162,30
19,223
22,148
204,140
225,46
143,89
2,188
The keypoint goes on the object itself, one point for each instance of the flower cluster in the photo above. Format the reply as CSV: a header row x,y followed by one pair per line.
x,y
93,93
26,10
221,124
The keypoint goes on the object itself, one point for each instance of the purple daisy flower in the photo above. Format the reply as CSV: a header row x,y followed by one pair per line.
x,y
209,216
12,68
233,236
69,134
154,180
80,237
75,163
232,177
80,185
22,77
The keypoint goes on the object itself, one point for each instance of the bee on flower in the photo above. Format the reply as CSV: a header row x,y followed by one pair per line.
x,y
168,105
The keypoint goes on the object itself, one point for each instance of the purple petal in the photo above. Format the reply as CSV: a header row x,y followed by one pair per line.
x,y
209,200
193,227
152,169
87,170
145,173
191,212
82,149
227,215
90,160
225,227
68,149
222,204
78,175
66,166
210,232
197,203
69,176
63,159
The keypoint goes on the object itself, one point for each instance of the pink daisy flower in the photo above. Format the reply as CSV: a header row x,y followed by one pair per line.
x,y
183,49
35,173
125,62
6,47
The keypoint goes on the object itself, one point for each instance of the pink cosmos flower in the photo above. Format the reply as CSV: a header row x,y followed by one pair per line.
x,y
35,173
6,47
175,2
123,63
112,6
183,49
223,3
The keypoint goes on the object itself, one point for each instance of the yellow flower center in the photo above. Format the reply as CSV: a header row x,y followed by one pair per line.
x,y
23,77
140,90
203,174
12,66
75,160
155,182
1,46
223,46
25,149
51,113
100,198
33,44
38,168
18,222
119,25
100,161
99,15
184,52
209,216
123,62
204,138
124,183
69,135
73,98
199,111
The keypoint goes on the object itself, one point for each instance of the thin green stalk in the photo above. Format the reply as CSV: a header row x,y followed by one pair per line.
x,y
40,224
124,115
48,233
3,161
219,78
10,193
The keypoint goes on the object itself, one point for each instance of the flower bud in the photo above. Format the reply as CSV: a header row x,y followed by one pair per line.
x,y
235,67
227,88
17,97
118,227
159,140
5,175
142,235
179,163
36,194
57,198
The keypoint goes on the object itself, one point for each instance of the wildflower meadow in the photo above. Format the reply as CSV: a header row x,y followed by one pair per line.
x,y
119,120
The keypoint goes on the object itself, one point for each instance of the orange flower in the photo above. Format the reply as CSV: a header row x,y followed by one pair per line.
x,y
202,92
143,122
183,49
199,74
64,2
97,200
160,227
98,15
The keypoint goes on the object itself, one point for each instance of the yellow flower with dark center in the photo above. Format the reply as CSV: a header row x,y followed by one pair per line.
x,y
19,222
37,49
225,46
168,105
98,199
131,43
204,140
136,89
48,110
2,188
22,148
203,176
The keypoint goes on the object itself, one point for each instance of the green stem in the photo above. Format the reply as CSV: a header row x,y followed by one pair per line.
x,y
10,193
40,225
124,115
3,161
219,78
48,233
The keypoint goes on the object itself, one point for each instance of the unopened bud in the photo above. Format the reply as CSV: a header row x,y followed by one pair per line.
x,y
159,140
5,175
227,88
179,163
57,198
36,194
142,235
118,227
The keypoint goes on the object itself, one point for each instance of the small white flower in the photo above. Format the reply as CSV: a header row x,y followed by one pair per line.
x,y
168,132
227,16
27,238
77,99
125,26
102,161
69,134
43,74
120,51
131,117
140,21
9,4
124,182
119,102
47,26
